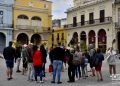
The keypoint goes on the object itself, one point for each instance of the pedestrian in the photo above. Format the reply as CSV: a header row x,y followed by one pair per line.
x,y
44,56
87,61
37,63
24,54
99,57
9,56
111,59
92,53
78,55
30,62
18,57
71,66
58,59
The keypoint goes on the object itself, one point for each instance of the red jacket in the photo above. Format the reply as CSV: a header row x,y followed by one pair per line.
x,y
37,58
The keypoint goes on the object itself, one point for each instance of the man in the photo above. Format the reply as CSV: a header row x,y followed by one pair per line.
x,y
92,57
9,55
58,58
29,61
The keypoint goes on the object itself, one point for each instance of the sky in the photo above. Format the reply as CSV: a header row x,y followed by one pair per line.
x,y
59,7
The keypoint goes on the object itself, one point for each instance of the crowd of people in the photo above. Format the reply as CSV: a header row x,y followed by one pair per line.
x,y
34,60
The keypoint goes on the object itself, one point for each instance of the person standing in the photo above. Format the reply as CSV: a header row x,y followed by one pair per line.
x,y
29,61
111,59
58,54
98,64
92,53
71,66
44,55
24,58
9,55
37,63
18,57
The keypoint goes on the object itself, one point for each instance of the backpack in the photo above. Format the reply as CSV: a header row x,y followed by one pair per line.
x,y
76,60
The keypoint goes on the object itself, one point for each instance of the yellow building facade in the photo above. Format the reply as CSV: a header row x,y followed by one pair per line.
x,y
32,21
59,36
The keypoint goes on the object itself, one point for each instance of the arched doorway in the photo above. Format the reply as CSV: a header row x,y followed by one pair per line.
x,y
36,39
2,42
83,40
22,39
102,40
91,36
74,40
118,37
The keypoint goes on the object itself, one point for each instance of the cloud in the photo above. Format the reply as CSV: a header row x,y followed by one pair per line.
x,y
59,7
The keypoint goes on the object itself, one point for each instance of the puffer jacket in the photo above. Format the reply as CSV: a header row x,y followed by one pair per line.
x,y
37,58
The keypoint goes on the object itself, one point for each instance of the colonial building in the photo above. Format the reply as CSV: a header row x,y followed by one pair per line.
x,y
59,33
5,23
94,22
32,21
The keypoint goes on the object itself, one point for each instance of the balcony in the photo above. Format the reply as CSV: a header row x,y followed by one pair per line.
x,y
6,25
117,25
117,1
107,20
34,28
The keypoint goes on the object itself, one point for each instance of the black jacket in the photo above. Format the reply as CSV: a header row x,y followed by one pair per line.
x,y
9,53
58,54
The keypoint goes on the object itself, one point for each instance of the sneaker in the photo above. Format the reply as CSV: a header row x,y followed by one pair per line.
x,y
59,82
52,81
41,81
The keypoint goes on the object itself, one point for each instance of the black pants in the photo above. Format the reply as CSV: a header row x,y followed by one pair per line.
x,y
71,73
44,69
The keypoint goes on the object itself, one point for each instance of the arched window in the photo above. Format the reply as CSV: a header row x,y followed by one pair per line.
x,y
22,17
36,18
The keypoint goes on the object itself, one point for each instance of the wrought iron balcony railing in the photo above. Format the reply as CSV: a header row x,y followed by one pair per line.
x,y
91,22
117,24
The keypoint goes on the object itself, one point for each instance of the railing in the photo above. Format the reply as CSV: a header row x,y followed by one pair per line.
x,y
89,23
6,26
117,25
117,1
38,28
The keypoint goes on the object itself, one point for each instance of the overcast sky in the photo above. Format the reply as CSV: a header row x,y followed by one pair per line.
x,y
59,7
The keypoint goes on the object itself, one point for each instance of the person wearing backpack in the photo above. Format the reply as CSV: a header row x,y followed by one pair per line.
x,y
92,53
78,56
99,57
71,66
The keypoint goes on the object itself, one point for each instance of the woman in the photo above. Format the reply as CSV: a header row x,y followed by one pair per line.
x,y
111,58
37,63
44,55
98,64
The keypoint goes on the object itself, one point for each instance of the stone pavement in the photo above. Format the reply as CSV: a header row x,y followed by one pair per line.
x,y
20,80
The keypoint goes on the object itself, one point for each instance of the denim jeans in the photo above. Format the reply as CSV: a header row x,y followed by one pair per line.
x,y
57,67
38,72
30,71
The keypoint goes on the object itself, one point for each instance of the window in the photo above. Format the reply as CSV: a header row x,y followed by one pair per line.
x,y
62,36
119,16
1,17
91,18
74,21
82,19
36,18
22,17
102,15
57,36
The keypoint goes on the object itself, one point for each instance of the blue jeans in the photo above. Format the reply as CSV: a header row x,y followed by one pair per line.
x,y
57,67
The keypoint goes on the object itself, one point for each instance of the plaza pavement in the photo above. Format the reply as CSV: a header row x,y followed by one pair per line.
x,y
20,80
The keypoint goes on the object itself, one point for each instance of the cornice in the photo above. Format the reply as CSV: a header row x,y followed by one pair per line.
x,y
31,9
85,6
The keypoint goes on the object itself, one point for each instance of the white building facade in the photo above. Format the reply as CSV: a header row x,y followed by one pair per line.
x,y
5,23
94,22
